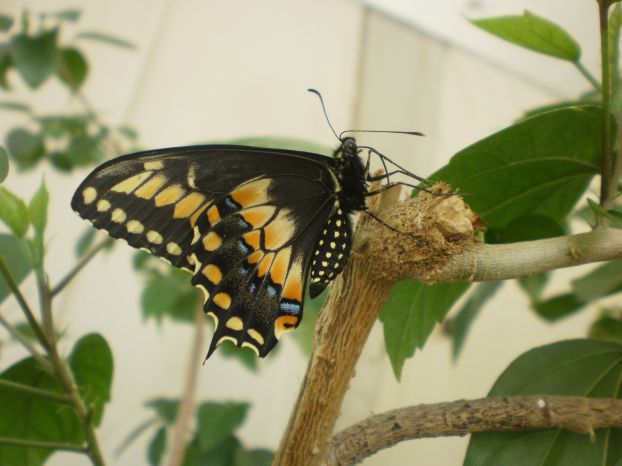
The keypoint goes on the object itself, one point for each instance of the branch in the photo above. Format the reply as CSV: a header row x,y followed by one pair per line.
x,y
44,363
499,414
18,442
607,184
78,267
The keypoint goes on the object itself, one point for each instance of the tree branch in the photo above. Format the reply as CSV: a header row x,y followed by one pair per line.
x,y
18,442
499,414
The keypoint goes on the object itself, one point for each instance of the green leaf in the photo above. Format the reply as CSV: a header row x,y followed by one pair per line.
x,y
33,418
530,227
460,325
105,38
85,241
165,408
14,253
573,368
5,64
245,356
15,106
533,32
62,126
540,166
128,132
411,313
25,147
4,164
221,455
607,327
38,209
13,212
35,57
257,457
5,23
72,67
170,295
92,366
216,421
157,447
600,282
558,307
72,15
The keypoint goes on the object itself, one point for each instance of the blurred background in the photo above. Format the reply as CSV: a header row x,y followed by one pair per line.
x,y
207,70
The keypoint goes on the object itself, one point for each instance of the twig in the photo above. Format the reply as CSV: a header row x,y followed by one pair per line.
x,y
181,428
589,76
499,414
44,363
24,305
55,397
606,183
78,267
41,444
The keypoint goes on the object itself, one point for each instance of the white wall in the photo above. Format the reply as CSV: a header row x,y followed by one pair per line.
x,y
212,70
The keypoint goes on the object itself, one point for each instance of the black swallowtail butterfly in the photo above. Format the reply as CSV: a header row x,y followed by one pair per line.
x,y
251,224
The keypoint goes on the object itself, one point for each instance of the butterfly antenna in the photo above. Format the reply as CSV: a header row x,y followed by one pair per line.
x,y
314,91
410,133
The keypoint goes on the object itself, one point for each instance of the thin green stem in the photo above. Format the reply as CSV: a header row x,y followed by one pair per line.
x,y
24,305
18,442
44,363
78,267
589,76
606,181
55,397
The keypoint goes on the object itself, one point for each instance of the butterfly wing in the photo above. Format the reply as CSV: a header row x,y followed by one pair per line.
x,y
243,220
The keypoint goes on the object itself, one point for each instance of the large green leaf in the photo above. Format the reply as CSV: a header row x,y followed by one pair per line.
x,y
216,421
92,366
73,67
540,165
35,57
13,212
410,314
5,64
170,295
576,367
157,446
14,253
165,408
29,417
607,327
533,32
25,147
38,209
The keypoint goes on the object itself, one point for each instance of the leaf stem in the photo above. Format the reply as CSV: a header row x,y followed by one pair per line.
x,y
78,267
41,444
606,169
44,363
589,76
55,397
24,305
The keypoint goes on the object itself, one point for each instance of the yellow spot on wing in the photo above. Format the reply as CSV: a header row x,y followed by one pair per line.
x,y
130,184
252,238
212,241
103,205
214,318
255,335
227,338
293,285
169,195
148,190
205,296
213,215
279,231
223,300
258,216
155,165
279,268
135,227
89,195
173,249
235,323
253,193
118,216
265,264
188,205
213,273
254,257
246,344
154,237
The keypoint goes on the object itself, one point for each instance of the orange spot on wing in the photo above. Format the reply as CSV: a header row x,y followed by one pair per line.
x,y
223,300
279,268
169,195
195,216
293,285
188,205
213,215
254,257
213,273
252,193
148,190
212,241
258,216
252,238
285,323
265,264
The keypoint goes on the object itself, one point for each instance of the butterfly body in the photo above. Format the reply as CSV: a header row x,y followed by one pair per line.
x,y
253,225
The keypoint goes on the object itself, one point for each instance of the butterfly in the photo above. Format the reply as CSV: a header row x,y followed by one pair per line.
x,y
254,226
